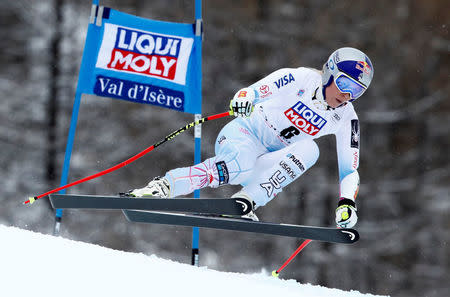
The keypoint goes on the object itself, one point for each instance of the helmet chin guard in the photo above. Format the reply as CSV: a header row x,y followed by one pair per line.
x,y
352,68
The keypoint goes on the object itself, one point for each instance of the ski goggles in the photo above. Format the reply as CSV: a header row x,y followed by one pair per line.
x,y
346,84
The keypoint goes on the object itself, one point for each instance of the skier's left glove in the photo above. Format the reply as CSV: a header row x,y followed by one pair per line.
x,y
346,216
242,102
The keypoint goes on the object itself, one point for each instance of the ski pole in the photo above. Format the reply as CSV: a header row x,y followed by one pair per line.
x,y
134,158
275,273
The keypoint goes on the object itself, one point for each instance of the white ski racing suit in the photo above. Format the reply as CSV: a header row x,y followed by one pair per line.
x,y
275,145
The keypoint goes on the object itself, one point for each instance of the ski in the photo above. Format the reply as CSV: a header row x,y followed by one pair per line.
x,y
307,232
230,206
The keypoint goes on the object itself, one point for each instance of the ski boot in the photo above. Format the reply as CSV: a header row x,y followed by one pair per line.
x,y
158,187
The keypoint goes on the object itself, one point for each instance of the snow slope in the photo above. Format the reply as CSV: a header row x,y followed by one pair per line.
x,y
33,264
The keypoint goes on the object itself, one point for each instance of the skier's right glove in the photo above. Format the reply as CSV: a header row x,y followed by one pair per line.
x,y
242,102
346,216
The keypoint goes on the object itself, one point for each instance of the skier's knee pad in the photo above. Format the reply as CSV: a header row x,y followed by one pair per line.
x,y
307,152
239,165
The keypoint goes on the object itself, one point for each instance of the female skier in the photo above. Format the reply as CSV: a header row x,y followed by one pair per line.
x,y
271,142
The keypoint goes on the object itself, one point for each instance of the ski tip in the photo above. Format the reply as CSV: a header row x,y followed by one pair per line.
x,y
352,234
275,273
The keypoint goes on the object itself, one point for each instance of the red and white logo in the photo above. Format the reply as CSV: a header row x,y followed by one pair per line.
x,y
264,91
242,94
305,118
145,53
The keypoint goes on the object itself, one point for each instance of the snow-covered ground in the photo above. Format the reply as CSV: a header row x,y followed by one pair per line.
x,y
33,264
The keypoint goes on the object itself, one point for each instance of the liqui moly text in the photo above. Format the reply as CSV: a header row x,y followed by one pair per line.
x,y
305,118
146,53
150,54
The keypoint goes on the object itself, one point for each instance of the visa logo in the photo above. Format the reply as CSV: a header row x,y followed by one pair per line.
x,y
282,81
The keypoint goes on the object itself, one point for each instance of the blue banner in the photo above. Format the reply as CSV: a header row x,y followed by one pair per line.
x,y
135,59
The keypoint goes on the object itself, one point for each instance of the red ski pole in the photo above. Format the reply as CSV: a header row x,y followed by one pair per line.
x,y
275,273
134,158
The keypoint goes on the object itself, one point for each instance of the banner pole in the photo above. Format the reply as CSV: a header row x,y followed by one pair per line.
x,y
67,156
71,137
197,159
197,134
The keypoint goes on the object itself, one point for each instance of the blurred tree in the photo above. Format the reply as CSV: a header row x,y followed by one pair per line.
x,y
52,105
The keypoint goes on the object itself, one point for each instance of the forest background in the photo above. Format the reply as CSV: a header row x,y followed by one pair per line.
x,y
403,202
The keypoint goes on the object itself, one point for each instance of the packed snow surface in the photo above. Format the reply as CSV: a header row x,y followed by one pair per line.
x,y
33,264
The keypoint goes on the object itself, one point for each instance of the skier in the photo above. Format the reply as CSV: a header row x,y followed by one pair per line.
x,y
271,142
